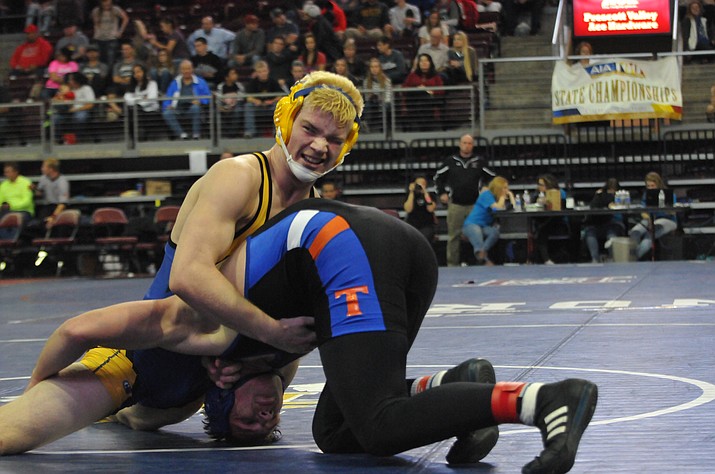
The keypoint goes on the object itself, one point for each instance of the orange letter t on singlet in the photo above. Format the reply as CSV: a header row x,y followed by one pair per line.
x,y
352,299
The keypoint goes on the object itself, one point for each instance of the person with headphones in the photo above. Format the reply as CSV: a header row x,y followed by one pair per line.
x,y
317,124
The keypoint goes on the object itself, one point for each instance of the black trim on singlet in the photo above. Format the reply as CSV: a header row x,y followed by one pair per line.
x,y
263,162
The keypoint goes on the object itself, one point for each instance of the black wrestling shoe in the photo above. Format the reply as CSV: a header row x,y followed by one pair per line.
x,y
563,411
475,445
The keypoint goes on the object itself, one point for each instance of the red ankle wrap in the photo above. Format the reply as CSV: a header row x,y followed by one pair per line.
x,y
504,398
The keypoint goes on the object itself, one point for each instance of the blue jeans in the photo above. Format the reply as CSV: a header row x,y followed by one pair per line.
x,y
171,116
640,234
481,238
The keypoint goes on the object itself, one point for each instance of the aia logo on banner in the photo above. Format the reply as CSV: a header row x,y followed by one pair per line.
x,y
351,299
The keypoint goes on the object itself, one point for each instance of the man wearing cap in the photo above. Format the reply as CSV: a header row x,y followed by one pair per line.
x,y
218,39
31,56
282,26
325,38
250,43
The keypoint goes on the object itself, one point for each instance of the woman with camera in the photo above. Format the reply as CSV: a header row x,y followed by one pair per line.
x,y
420,206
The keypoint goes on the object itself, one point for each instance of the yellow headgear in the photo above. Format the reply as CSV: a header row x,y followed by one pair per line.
x,y
287,110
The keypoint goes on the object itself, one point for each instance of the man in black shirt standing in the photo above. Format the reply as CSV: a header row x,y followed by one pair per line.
x,y
461,173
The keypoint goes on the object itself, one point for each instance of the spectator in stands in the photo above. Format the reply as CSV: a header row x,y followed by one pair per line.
x,y
378,97
340,67
282,26
122,73
325,38
259,105
458,184
462,60
194,88
392,60
32,56
491,6
433,21
311,57
279,59
356,65
73,118
448,13
75,40
405,19
420,205
329,190
377,94
604,227
297,72
370,20
436,49
172,41
422,109
250,43
545,227
584,48
15,194
479,226
54,189
163,70
230,101
522,17
142,98
697,31
110,22
219,40
206,64
96,72
39,14
57,70
662,223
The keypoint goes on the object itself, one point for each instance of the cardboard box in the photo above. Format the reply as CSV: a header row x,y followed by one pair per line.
x,y
553,200
155,187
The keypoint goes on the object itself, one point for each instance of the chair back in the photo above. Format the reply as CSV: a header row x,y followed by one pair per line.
x,y
108,226
165,218
64,229
13,221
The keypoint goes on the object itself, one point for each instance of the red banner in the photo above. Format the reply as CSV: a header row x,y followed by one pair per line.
x,y
621,17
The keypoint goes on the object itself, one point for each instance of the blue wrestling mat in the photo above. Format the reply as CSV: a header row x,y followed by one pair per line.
x,y
644,332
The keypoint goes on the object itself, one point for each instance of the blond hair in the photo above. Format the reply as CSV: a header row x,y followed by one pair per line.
x,y
654,177
469,72
497,185
334,99
52,163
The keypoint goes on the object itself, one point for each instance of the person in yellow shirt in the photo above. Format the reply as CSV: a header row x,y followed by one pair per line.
x,y
16,193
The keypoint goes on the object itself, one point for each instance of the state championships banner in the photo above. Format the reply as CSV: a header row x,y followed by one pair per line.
x,y
612,89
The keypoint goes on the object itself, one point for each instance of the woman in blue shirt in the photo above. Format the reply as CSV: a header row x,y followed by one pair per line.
x,y
479,225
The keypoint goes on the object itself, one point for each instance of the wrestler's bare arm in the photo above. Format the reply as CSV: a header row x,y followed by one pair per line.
x,y
167,323
227,194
